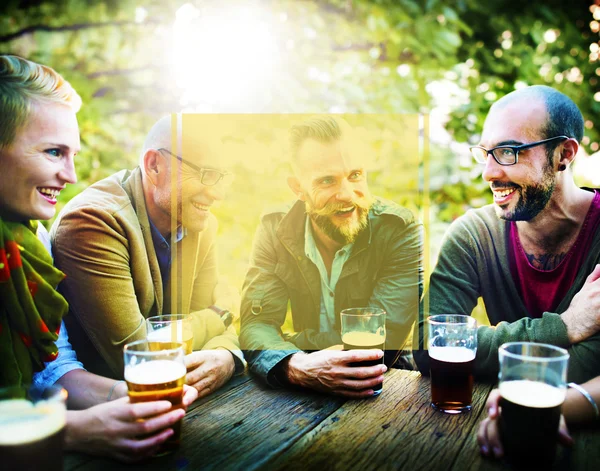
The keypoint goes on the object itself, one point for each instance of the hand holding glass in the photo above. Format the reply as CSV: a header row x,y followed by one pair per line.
x,y
533,386
363,328
155,371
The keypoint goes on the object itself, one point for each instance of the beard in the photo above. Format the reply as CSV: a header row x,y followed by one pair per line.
x,y
533,198
347,231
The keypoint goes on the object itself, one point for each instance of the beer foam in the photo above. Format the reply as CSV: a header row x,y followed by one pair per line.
x,y
452,354
154,372
532,393
22,422
363,339
166,334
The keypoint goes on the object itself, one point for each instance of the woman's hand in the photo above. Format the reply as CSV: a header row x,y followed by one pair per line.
x,y
122,430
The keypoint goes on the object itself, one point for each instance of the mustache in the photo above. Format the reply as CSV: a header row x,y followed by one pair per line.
x,y
333,208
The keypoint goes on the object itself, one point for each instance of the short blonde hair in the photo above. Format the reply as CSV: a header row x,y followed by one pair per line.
x,y
22,83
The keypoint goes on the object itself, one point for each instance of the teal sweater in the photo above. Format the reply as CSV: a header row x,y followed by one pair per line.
x,y
473,263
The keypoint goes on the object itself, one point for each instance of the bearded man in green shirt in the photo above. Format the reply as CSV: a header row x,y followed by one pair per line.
x,y
533,255
337,247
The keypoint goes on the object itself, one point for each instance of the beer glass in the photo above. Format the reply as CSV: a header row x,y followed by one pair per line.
x,y
452,346
363,328
171,328
32,428
155,371
533,386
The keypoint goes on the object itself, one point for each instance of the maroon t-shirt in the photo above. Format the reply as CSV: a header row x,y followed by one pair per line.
x,y
543,290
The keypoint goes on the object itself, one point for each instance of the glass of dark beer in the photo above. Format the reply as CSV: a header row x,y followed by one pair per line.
x,y
363,328
533,386
155,371
452,346
32,428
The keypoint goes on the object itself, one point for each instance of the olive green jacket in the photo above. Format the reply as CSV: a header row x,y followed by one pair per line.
x,y
473,263
102,241
384,270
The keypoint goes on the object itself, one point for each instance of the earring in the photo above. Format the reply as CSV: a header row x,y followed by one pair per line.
x,y
562,167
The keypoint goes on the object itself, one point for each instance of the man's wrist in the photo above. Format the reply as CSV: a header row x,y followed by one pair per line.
x,y
225,314
290,368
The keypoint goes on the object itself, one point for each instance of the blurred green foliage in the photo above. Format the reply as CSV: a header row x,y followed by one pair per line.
x,y
450,58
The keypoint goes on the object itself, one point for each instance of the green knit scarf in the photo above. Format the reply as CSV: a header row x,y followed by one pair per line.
x,y
31,309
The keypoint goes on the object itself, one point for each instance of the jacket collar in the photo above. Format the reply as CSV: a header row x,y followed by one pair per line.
x,y
132,185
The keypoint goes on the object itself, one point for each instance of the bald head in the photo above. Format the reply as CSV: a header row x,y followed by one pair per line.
x,y
158,137
563,117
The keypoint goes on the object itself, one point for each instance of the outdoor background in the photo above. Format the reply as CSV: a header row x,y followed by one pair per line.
x,y
441,64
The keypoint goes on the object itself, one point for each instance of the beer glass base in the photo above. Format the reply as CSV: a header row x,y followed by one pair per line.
x,y
451,408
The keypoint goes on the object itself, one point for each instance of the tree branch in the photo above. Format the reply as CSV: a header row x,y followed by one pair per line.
x,y
75,27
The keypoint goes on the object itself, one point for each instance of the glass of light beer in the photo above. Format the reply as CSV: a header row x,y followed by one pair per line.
x,y
452,346
171,328
155,371
32,428
363,328
533,386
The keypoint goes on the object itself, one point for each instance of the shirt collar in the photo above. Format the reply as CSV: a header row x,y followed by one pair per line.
x,y
158,238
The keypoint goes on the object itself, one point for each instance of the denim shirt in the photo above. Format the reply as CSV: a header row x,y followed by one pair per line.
x,y
67,359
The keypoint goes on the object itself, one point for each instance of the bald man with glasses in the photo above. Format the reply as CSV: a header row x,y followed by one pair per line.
x,y
533,255
141,243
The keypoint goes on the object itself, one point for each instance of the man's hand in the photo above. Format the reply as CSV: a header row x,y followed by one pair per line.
x,y
329,371
582,318
124,431
488,434
208,370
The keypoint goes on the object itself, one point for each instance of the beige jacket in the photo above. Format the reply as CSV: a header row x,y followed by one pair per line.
x,y
102,241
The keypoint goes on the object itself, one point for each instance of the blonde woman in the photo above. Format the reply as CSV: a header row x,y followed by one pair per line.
x,y
39,139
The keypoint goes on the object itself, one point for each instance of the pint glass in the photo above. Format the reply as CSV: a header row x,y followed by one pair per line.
x,y
155,371
171,328
32,428
452,347
363,328
533,386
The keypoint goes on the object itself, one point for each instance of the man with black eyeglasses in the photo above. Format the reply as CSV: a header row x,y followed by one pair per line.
x,y
534,254
141,243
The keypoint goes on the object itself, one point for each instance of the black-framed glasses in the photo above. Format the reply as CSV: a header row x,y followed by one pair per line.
x,y
208,176
506,155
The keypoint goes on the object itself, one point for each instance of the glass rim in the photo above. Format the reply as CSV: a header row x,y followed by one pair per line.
x,y
464,319
564,354
129,348
169,318
57,392
356,312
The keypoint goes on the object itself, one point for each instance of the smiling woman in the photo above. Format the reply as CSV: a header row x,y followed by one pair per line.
x,y
39,138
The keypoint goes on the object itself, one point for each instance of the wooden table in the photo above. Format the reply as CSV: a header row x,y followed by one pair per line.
x,y
247,426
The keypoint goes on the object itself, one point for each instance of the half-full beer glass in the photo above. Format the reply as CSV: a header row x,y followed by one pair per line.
x,y
32,428
155,371
452,345
363,328
171,328
533,386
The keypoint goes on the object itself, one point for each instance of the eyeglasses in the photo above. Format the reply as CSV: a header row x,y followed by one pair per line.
x,y
506,155
208,176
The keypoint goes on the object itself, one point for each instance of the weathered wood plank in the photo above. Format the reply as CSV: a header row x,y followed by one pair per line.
x,y
398,430
240,430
